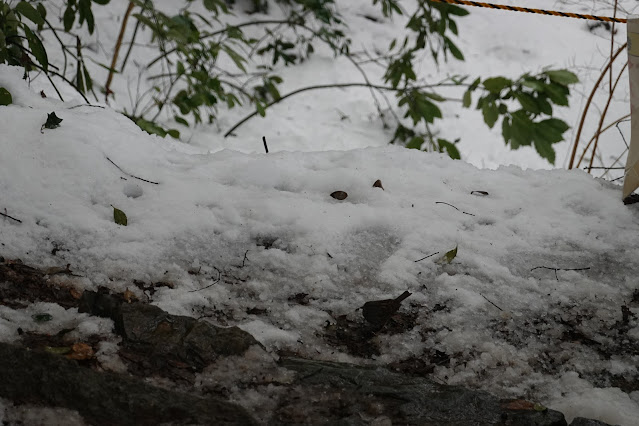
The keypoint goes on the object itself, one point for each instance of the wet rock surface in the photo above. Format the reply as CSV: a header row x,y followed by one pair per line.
x,y
104,398
178,349
360,395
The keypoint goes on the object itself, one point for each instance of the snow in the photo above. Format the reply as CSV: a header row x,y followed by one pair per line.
x,y
235,230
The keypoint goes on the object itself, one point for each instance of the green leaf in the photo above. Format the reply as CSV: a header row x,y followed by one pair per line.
x,y
527,102
119,217
181,120
42,11
88,81
545,150
37,48
68,18
491,113
260,109
505,129
235,57
521,130
454,50
550,130
467,100
496,84
448,257
5,97
557,93
563,77
544,105
30,12
53,121
450,149
434,96
42,317
57,350
84,6
174,133
415,143
533,84
150,127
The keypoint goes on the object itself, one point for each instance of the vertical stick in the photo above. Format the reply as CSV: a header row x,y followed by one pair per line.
x,y
118,44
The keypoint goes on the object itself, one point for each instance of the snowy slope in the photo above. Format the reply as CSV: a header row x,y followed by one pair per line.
x,y
266,226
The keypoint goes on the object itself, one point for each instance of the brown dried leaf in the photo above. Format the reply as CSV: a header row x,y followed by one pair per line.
x,y
378,184
76,294
339,195
129,296
81,351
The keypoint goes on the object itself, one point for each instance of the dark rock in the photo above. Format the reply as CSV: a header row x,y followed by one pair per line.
x,y
104,398
358,395
158,334
580,421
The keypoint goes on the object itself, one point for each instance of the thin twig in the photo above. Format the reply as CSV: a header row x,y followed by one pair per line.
x,y
491,302
603,115
316,87
131,44
588,103
265,146
245,258
219,277
426,257
10,217
129,174
441,202
116,50
559,269
87,105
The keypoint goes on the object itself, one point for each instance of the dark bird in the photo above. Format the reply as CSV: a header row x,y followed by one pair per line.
x,y
378,312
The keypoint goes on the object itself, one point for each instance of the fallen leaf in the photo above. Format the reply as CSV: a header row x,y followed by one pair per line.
x,y
80,351
42,317
129,296
42,94
484,193
52,122
76,294
339,195
119,217
448,257
378,184
59,350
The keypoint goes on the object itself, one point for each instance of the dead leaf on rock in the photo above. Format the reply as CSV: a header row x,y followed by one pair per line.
x,y
378,184
76,294
129,296
339,195
80,351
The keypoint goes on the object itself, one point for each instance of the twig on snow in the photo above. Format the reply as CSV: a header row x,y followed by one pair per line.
x,y
559,269
219,277
426,257
10,217
265,146
491,302
129,174
441,202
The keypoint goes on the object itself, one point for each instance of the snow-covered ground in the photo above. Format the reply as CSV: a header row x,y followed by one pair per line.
x,y
266,225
